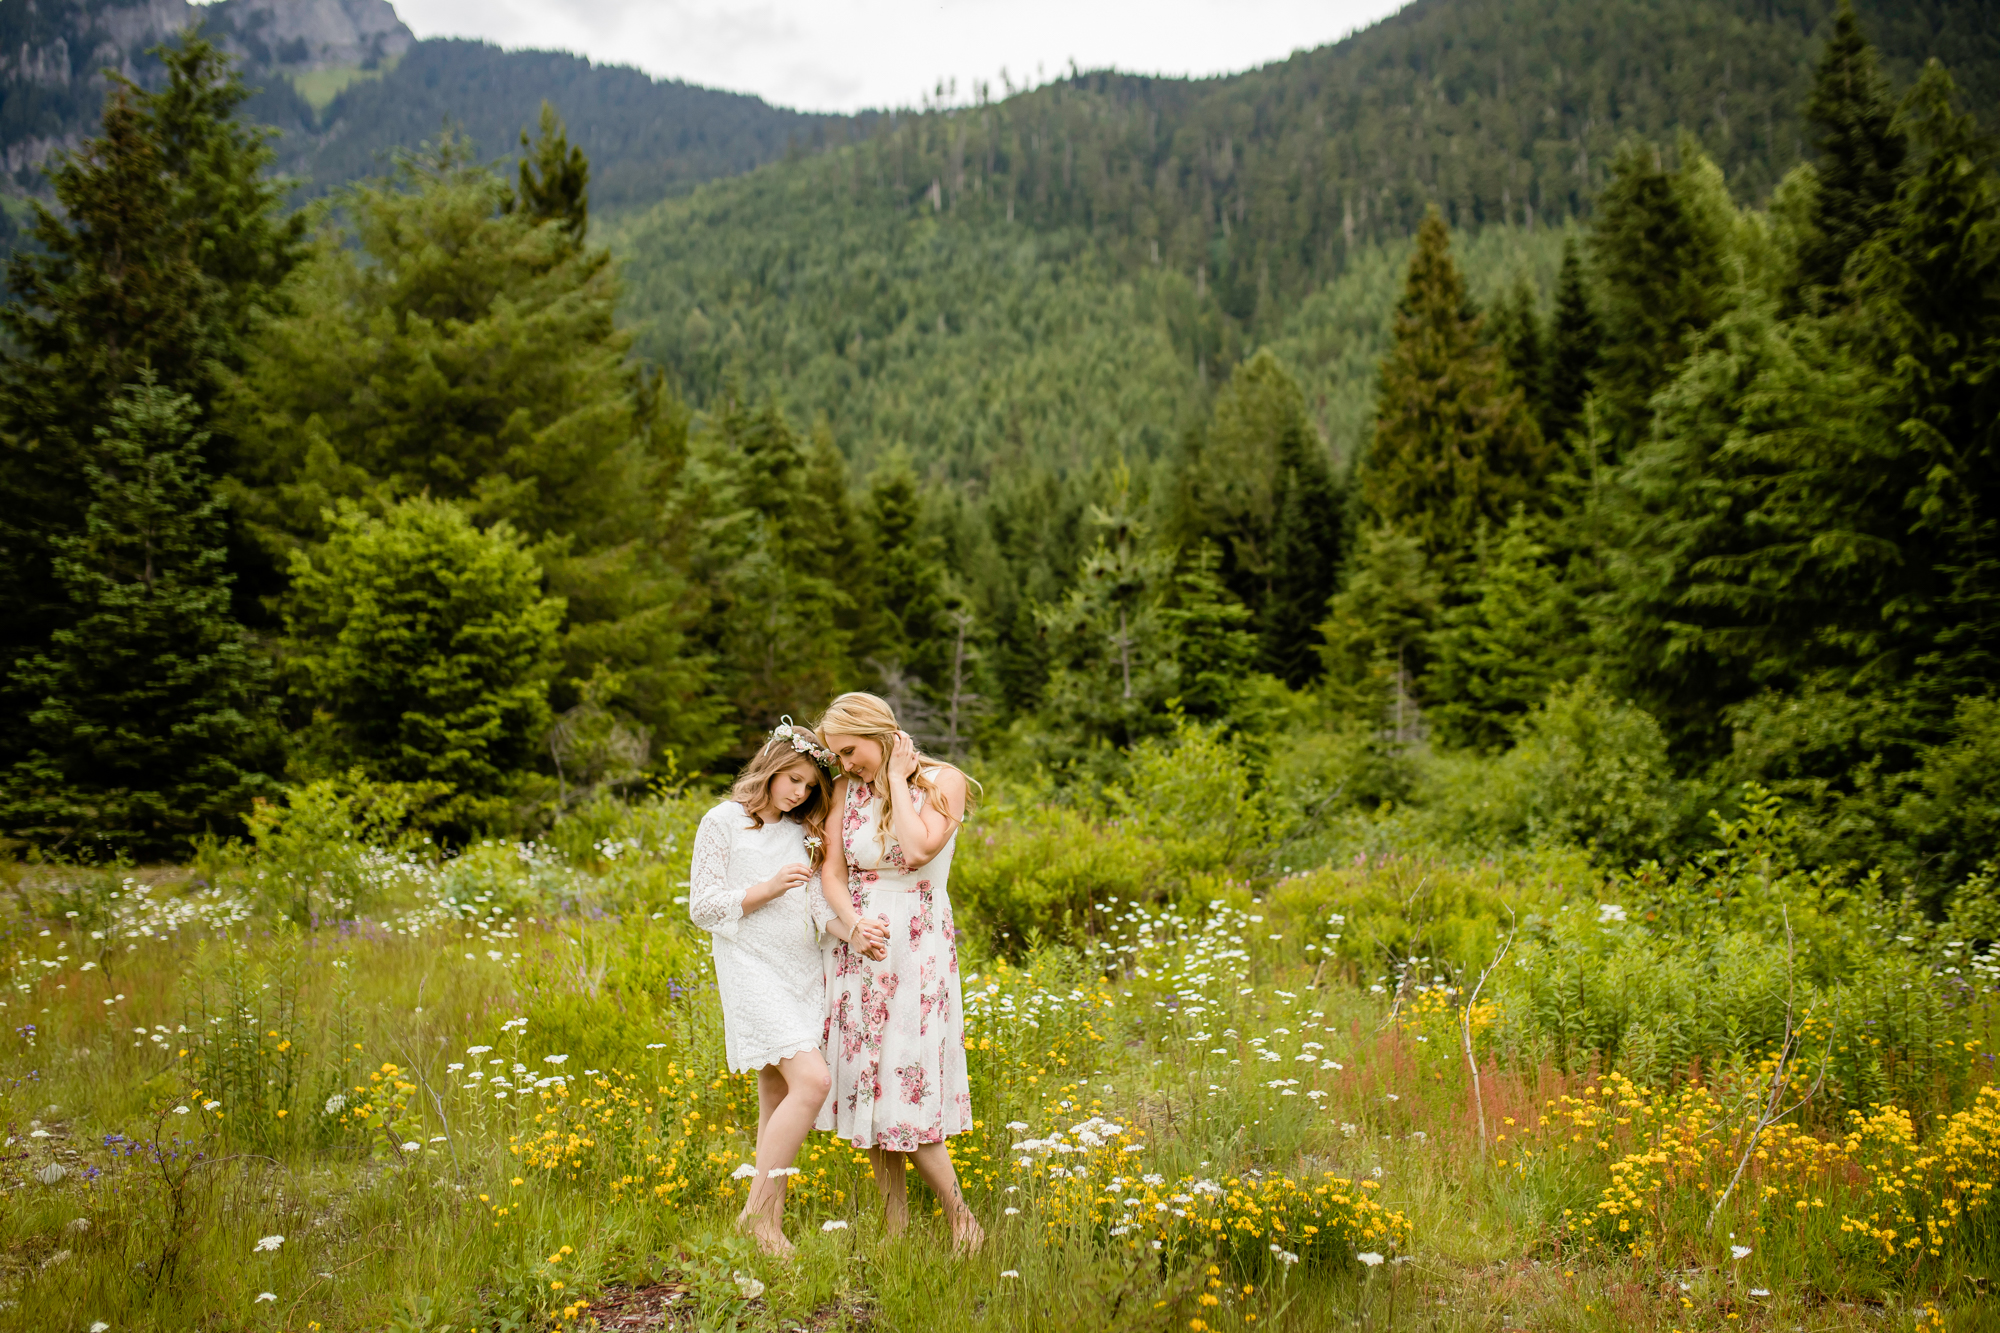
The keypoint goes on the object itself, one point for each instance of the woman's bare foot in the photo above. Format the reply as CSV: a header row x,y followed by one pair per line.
x,y
966,1234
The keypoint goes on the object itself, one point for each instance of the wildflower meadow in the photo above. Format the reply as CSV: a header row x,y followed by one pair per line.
x,y
334,1077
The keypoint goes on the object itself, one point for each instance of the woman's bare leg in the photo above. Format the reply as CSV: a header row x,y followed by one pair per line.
x,y
780,1135
892,1184
934,1165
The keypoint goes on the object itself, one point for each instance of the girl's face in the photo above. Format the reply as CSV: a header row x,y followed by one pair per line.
x,y
861,757
791,786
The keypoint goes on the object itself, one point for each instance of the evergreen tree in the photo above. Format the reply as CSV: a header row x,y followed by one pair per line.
x,y
770,607
498,379
554,178
909,579
497,375
1454,444
1658,243
165,236
1575,348
1517,327
1861,152
1112,664
1377,631
1257,454
1927,315
1518,632
1214,650
835,534
1305,564
148,719
424,648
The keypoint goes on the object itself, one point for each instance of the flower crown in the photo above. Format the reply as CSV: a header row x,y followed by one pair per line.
x,y
801,740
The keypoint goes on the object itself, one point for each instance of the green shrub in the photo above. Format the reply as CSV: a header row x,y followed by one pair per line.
x,y
1372,918
425,648
1193,794
1586,770
338,846
1034,873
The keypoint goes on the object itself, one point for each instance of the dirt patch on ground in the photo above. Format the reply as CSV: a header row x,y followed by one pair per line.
x,y
670,1304
641,1309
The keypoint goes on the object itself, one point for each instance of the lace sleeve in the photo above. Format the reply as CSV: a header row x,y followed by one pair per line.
x,y
817,906
711,902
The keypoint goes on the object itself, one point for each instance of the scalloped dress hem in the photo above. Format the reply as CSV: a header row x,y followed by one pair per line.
x,y
783,1051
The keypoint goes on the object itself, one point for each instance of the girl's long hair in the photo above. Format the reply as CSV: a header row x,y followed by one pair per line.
x,y
753,791
870,718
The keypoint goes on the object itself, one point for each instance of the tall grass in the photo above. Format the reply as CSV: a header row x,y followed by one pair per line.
x,y
1210,1092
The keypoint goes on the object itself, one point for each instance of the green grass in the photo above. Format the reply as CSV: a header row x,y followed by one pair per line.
x,y
598,959
320,86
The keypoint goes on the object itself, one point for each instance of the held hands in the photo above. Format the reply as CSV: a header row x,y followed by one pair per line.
x,y
903,758
871,937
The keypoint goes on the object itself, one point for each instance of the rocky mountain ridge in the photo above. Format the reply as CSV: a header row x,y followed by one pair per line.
x,y
53,54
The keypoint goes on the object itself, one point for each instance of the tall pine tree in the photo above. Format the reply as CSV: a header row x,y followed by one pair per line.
x,y
1861,152
1518,632
1659,244
148,717
1517,327
1454,443
167,234
907,567
1575,347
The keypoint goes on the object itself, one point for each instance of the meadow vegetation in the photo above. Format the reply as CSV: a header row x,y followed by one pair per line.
x,y
330,1077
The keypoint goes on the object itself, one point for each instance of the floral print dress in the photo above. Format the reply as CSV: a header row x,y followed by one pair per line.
x,y
895,1034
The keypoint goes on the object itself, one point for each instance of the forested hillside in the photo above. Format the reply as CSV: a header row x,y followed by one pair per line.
x,y
346,85
647,138
1102,247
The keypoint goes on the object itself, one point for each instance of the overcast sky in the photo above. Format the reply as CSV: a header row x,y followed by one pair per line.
x,y
843,55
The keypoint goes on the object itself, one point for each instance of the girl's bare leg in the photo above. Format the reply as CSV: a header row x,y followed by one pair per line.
x,y
780,1134
934,1165
770,1092
892,1184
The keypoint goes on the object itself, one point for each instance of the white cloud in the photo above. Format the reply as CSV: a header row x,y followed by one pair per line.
x,y
844,55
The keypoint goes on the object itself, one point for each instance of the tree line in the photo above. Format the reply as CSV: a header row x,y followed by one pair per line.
x,y
385,492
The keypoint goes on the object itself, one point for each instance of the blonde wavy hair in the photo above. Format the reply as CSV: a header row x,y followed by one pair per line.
x,y
753,790
870,718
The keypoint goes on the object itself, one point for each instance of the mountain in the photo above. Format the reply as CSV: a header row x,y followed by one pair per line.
x,y
347,84
646,137
1057,276
53,52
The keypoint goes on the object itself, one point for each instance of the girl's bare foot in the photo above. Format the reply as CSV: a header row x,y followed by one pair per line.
x,y
769,1235
966,1234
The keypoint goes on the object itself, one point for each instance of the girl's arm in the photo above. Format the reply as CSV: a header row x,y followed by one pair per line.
x,y
924,831
711,902
867,936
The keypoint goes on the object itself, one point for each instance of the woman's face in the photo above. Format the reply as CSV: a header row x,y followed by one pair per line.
x,y
791,786
861,757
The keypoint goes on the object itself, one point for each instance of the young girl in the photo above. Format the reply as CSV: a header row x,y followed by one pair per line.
x,y
895,1036
753,886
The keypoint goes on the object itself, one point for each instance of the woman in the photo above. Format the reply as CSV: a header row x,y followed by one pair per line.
x,y
895,1035
752,885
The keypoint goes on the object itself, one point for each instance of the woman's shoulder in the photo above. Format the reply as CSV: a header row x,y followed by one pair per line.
x,y
945,777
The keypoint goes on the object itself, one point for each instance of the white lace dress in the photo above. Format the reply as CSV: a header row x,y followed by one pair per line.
x,y
768,966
